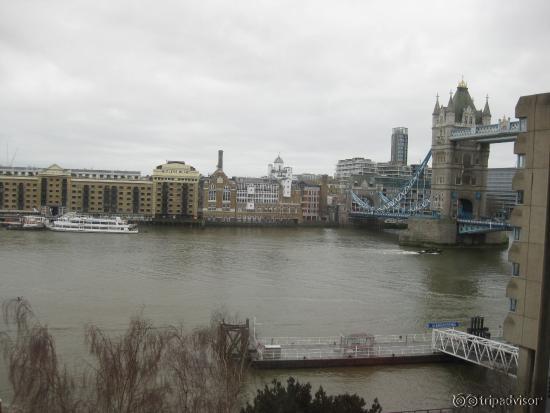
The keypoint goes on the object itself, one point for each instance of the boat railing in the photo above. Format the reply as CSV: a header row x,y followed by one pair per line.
x,y
300,341
336,340
340,352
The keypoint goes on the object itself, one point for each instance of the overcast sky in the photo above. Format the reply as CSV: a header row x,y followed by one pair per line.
x,y
129,84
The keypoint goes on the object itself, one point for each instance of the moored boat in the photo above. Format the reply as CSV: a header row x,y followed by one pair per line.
x,y
27,222
73,222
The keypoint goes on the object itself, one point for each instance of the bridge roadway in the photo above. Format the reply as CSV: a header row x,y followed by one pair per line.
x,y
401,207
505,131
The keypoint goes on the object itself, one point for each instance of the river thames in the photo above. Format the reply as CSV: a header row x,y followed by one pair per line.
x,y
295,281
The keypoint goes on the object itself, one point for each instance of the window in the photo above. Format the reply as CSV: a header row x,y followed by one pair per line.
x,y
212,195
135,200
106,199
515,269
21,196
513,304
43,191
184,198
519,197
226,194
517,233
64,192
86,198
520,161
458,180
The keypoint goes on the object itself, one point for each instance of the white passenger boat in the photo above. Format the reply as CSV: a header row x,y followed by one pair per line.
x,y
73,222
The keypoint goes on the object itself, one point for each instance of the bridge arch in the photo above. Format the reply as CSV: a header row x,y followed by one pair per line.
x,y
465,208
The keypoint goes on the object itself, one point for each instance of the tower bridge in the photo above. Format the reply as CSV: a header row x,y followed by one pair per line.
x,y
452,207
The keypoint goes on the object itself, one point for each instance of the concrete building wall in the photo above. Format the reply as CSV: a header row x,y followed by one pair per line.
x,y
523,325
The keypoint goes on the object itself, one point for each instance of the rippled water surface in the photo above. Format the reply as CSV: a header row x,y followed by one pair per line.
x,y
295,281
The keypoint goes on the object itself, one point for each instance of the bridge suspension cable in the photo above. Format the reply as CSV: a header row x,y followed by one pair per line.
x,y
394,206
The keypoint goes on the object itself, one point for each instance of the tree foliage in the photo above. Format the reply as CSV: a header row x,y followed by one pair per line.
x,y
145,369
296,398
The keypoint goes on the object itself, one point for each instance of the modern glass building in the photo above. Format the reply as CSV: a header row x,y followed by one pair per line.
x,y
399,145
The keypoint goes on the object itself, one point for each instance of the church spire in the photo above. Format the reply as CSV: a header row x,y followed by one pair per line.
x,y
437,108
486,110
450,105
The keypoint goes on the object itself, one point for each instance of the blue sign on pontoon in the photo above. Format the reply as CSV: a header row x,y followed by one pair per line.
x,y
444,324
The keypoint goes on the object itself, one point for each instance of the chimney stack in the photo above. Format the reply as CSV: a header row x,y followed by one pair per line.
x,y
220,160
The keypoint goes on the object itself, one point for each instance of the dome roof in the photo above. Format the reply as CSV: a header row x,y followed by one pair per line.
x,y
278,159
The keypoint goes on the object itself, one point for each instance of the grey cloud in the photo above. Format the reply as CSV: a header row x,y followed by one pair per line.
x,y
128,84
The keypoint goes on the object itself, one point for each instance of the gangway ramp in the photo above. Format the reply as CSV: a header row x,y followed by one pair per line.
x,y
493,354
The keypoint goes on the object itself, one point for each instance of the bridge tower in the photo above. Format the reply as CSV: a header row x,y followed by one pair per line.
x,y
459,169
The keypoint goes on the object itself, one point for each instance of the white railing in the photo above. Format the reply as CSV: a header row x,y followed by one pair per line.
x,y
300,341
336,340
341,352
334,347
403,338
494,129
492,354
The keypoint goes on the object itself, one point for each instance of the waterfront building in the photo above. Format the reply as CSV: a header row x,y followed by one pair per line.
x,y
399,145
346,168
251,200
501,198
392,169
527,324
281,173
265,200
278,170
311,202
310,178
75,173
171,191
354,166
176,189
219,195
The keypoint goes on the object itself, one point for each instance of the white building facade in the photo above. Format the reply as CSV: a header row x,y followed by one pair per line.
x,y
281,173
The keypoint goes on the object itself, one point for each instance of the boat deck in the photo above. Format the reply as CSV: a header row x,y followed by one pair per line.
x,y
335,351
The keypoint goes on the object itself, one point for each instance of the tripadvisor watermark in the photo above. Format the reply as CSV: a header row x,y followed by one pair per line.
x,y
476,400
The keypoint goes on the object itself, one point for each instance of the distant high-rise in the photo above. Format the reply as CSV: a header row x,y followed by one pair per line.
x,y
399,145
